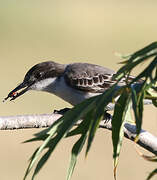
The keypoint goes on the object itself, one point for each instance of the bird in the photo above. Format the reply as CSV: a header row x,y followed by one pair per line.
x,y
72,82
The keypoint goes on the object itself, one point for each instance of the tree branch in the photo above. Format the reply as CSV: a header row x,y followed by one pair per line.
x,y
146,139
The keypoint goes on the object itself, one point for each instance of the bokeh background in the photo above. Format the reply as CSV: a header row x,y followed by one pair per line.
x,y
32,31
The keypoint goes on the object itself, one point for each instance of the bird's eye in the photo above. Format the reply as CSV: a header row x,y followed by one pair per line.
x,y
38,75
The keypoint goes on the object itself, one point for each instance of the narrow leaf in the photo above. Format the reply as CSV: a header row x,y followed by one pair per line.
x,y
28,169
147,72
137,101
79,144
81,128
154,172
36,155
98,113
41,162
145,50
97,117
137,58
75,151
41,138
118,120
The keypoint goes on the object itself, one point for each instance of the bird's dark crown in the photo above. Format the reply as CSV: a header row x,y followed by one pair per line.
x,y
44,70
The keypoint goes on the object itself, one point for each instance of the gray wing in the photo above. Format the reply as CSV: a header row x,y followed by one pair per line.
x,y
88,77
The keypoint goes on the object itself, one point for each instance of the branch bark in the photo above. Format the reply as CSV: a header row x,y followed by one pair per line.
x,y
146,139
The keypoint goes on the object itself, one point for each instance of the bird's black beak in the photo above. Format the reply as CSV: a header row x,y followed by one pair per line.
x,y
16,92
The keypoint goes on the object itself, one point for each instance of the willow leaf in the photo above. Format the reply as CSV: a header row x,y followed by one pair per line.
x,y
119,117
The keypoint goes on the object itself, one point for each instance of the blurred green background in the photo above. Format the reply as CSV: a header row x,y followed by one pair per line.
x,y
32,31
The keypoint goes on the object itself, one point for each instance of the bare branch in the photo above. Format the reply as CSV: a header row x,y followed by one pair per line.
x,y
146,139
27,121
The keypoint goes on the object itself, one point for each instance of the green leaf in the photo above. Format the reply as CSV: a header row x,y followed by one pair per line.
x,y
44,158
154,172
145,50
154,102
75,151
137,103
148,70
41,138
118,120
135,59
41,162
80,128
36,155
92,130
33,155
79,145
129,67
98,115
152,93
95,120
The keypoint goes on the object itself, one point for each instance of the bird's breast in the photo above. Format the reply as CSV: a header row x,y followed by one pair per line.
x,y
67,93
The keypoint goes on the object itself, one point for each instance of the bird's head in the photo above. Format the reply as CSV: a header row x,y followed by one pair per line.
x,y
37,78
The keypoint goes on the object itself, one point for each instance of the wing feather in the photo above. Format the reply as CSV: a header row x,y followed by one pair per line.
x,y
88,77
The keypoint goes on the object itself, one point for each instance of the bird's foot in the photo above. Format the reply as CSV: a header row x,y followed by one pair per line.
x,y
107,117
61,111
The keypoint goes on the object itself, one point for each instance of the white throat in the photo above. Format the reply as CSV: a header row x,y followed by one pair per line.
x,y
44,85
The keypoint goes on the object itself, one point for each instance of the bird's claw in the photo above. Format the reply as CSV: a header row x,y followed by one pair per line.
x,y
62,111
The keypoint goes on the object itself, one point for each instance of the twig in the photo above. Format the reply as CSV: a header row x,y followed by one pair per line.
x,y
146,139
